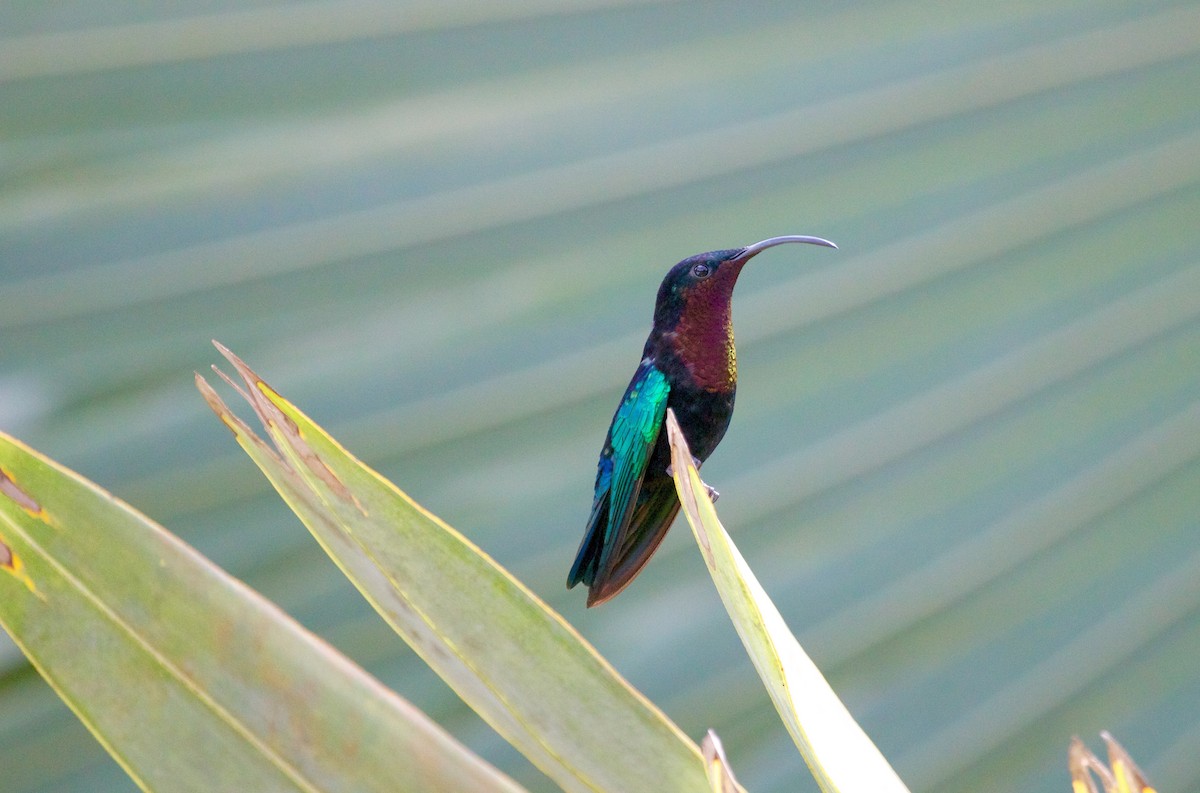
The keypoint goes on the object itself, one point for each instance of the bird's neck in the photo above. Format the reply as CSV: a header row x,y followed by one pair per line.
x,y
701,345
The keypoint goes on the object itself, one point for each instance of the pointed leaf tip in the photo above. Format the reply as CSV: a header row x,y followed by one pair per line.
x,y
720,774
1121,775
1080,764
1129,776
271,411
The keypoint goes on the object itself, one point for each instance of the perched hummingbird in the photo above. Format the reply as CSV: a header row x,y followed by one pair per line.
x,y
690,366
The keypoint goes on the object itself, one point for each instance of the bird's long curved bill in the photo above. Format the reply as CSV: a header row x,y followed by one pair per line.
x,y
758,247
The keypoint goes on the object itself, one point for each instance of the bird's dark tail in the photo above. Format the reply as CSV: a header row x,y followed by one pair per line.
x,y
655,511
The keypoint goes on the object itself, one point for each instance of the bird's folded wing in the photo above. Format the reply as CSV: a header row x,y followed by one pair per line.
x,y
635,430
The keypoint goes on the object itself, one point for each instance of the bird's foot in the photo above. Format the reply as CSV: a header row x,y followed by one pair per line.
x,y
695,462
713,495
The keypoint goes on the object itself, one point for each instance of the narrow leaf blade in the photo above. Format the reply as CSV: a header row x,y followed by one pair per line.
x,y
188,678
840,755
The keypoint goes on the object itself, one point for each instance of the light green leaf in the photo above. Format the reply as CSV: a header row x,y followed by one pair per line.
x,y
508,655
839,753
188,678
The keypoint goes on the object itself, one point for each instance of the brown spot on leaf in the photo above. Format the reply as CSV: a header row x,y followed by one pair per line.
x,y
215,403
12,564
239,428
275,403
8,487
9,561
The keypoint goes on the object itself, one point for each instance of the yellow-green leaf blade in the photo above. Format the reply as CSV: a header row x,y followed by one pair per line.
x,y
188,678
508,655
841,756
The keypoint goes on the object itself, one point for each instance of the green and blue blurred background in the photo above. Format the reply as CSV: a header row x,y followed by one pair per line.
x,y
966,456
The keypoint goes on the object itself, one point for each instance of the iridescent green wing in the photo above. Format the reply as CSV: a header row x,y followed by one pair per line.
x,y
634,432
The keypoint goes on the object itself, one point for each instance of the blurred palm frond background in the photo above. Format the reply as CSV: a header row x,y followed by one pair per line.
x,y
966,455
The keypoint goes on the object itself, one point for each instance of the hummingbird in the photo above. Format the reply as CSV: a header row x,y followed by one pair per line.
x,y
689,365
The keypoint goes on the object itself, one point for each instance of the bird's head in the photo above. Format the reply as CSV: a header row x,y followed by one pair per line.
x,y
702,285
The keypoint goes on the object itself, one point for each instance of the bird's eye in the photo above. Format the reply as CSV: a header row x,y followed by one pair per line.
x,y
701,271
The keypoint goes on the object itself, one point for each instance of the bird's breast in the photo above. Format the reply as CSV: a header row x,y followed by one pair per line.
x,y
704,346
